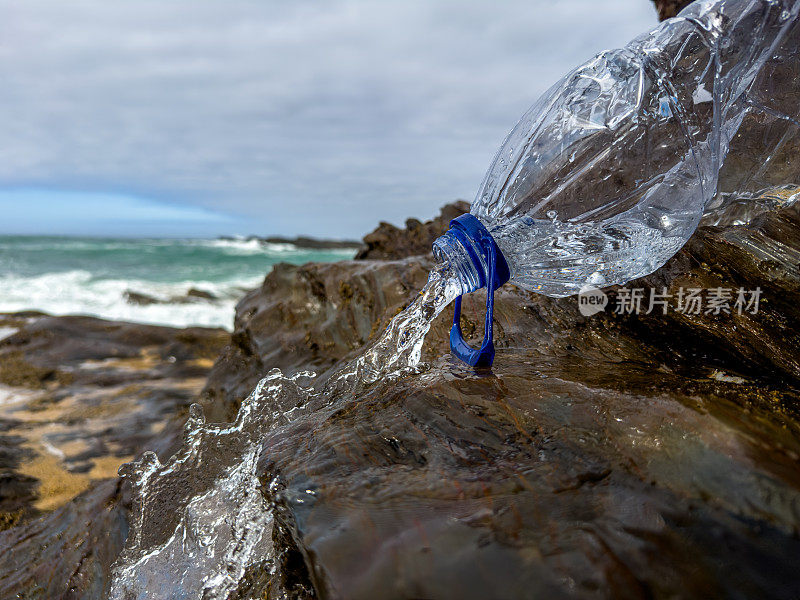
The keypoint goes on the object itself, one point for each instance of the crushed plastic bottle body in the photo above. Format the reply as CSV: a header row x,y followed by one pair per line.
x,y
611,171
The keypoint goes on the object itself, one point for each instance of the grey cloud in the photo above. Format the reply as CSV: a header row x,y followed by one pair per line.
x,y
313,117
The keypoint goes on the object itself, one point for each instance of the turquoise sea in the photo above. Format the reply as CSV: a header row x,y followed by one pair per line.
x,y
97,276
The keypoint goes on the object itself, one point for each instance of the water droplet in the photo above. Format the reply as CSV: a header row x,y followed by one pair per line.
x,y
196,414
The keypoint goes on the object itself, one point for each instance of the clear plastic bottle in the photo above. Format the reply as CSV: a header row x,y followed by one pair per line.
x,y
610,172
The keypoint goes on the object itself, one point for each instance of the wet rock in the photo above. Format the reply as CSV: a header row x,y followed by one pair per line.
x,y
82,395
530,483
192,295
388,242
139,299
68,552
200,294
616,455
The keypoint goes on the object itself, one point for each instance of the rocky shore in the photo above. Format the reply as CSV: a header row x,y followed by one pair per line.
x,y
616,455
650,453
80,396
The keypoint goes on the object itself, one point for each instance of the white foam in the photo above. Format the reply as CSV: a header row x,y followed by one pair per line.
x,y
243,247
7,332
280,248
77,292
254,246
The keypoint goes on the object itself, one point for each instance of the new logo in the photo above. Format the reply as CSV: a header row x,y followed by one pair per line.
x,y
591,301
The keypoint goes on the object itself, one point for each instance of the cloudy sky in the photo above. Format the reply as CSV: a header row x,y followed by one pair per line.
x,y
312,116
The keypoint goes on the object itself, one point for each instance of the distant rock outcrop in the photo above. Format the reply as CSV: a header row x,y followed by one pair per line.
x,y
669,8
192,295
139,298
310,243
388,242
305,242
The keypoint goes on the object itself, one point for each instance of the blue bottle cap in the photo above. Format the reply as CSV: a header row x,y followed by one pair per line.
x,y
476,238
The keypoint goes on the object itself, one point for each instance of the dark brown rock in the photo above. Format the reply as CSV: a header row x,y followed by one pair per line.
x,y
532,483
314,243
200,294
68,552
669,8
139,299
388,242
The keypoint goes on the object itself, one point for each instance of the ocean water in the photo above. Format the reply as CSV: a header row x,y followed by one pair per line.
x,y
91,276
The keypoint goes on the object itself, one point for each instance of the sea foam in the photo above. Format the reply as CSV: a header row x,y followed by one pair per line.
x,y
102,277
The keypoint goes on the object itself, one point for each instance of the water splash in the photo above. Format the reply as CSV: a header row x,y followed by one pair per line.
x,y
199,521
398,349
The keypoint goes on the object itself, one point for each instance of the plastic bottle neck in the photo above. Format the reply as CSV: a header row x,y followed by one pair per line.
x,y
449,250
465,248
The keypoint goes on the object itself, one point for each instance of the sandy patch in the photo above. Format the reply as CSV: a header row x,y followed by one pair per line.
x,y
58,486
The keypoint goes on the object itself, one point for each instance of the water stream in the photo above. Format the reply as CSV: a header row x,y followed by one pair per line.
x,y
199,520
